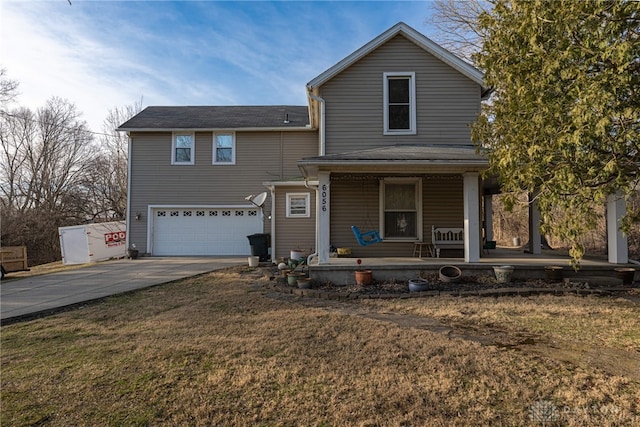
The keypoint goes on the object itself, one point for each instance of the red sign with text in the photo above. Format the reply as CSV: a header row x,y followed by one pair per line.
x,y
116,238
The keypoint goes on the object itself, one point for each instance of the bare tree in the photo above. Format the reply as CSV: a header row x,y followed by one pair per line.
x,y
44,160
8,88
457,25
107,180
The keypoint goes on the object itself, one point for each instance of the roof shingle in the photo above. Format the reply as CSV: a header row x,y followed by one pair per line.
x,y
218,117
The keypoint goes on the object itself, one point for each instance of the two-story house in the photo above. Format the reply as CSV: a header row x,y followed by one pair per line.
x,y
384,143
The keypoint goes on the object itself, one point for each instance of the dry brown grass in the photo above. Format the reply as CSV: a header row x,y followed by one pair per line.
x,y
220,350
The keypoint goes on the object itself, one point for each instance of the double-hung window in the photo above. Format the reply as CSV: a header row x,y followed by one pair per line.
x,y
399,103
224,149
298,205
183,148
401,205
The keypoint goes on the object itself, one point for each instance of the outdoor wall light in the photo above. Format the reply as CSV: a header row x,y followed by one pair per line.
x,y
138,216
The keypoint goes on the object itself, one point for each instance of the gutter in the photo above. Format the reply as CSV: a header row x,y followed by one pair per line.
x,y
322,119
128,222
272,190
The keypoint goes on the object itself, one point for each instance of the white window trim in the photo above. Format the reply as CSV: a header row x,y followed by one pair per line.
x,y
214,150
173,148
412,102
307,202
418,184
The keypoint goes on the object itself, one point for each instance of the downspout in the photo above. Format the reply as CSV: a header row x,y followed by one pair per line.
x,y
272,190
315,253
128,214
322,153
322,121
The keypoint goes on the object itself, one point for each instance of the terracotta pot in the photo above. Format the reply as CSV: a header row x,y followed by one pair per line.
x,y
364,277
625,274
304,283
553,273
449,274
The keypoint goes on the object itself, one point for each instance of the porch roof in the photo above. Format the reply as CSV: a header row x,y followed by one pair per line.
x,y
405,158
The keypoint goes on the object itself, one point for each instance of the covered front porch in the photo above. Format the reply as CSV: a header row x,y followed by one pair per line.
x,y
526,266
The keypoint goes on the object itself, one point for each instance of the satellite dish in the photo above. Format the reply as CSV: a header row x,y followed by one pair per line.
x,y
260,199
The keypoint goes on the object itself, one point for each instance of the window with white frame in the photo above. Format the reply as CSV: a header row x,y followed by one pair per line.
x,y
183,148
399,103
401,208
224,149
298,205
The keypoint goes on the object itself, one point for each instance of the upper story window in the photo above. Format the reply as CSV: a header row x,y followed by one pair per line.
x,y
298,205
183,148
400,103
224,149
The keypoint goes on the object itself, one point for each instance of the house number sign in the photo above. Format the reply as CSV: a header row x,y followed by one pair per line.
x,y
324,196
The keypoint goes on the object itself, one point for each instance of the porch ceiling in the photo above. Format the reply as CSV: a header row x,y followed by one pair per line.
x,y
399,158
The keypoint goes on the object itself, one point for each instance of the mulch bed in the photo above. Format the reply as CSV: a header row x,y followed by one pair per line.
x,y
466,285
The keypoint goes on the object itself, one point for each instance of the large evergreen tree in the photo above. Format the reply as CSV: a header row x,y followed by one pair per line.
x,y
563,122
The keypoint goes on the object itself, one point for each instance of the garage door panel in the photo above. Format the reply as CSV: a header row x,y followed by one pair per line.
x,y
211,231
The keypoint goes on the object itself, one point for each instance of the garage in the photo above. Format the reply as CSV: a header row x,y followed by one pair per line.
x,y
203,231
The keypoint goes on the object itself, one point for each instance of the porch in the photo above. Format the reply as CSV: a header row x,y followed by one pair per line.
x,y
527,266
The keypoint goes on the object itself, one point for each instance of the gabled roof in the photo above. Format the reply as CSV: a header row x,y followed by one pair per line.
x,y
414,36
220,117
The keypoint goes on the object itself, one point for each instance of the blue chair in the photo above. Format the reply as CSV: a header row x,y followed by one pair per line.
x,y
367,238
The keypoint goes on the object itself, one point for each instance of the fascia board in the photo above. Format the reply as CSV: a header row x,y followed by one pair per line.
x,y
252,129
419,39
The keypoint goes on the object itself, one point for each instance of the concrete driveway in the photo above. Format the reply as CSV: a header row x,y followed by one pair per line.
x,y
39,294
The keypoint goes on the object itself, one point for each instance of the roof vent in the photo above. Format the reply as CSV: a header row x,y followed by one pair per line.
x,y
286,119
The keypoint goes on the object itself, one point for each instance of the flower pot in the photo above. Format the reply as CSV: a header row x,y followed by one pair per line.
x,y
503,273
364,277
304,283
132,253
292,278
418,285
285,272
254,261
625,274
449,274
553,273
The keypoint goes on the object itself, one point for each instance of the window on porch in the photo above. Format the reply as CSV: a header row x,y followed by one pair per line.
x,y
401,206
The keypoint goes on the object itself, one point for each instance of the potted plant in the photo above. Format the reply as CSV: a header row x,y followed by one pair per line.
x,y
363,277
304,282
503,273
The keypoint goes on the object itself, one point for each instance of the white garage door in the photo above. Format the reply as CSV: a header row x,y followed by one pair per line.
x,y
204,231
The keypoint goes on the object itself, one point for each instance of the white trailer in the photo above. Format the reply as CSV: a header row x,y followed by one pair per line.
x,y
93,242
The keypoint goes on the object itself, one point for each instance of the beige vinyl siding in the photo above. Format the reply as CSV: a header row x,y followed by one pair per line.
x,y
355,201
447,101
294,233
260,157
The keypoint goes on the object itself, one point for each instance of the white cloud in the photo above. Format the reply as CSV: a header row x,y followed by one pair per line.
x,y
101,55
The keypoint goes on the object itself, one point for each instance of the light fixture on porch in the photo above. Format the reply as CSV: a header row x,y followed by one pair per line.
x,y
138,216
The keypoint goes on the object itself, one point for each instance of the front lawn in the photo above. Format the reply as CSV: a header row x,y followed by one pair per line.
x,y
221,349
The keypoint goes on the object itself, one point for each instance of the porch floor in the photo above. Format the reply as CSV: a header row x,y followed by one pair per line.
x,y
527,265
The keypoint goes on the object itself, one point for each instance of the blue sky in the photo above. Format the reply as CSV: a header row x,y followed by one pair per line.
x,y
104,54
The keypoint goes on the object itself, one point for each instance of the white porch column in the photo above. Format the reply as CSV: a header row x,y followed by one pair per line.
x,y
471,183
535,243
488,217
617,241
323,230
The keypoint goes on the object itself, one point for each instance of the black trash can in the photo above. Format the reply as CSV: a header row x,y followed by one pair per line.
x,y
260,245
